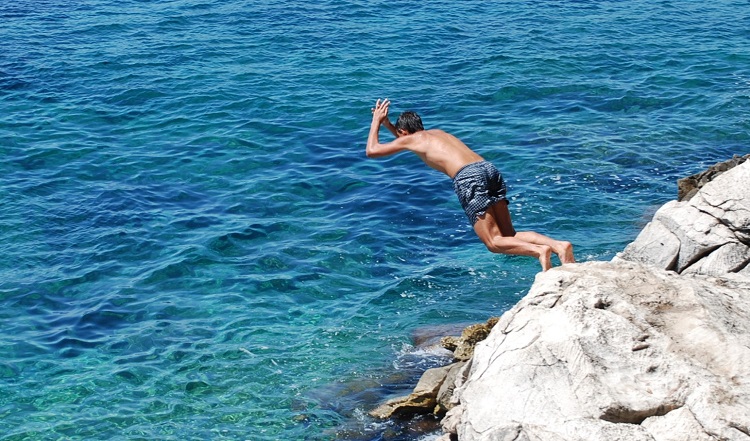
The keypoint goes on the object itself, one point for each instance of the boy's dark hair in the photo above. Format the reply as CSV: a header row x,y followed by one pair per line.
x,y
410,122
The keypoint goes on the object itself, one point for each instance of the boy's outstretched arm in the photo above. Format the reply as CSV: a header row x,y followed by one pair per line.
x,y
386,121
374,147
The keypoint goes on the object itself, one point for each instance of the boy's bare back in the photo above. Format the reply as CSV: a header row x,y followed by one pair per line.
x,y
438,149
443,151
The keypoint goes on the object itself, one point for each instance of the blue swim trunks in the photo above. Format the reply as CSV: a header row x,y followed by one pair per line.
x,y
479,186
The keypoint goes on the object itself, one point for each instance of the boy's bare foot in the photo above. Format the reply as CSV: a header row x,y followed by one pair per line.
x,y
545,257
565,252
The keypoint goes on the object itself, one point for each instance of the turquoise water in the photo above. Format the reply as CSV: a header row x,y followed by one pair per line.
x,y
195,246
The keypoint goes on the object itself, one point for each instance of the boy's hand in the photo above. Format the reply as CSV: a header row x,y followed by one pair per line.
x,y
380,111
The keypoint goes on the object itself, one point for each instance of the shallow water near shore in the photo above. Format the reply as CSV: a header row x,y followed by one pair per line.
x,y
195,246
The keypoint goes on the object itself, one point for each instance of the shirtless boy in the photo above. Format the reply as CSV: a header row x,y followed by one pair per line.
x,y
478,184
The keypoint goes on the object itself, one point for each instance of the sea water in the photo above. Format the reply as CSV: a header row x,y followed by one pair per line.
x,y
194,245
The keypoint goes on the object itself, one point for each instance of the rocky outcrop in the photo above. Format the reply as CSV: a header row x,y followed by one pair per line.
x,y
709,234
652,346
689,186
614,351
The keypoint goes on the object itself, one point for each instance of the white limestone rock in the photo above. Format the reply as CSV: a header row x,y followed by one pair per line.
x,y
656,245
608,351
709,234
727,198
728,258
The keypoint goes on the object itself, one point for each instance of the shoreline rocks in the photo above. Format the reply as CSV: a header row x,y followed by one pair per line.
x,y
463,346
434,391
707,234
652,346
687,187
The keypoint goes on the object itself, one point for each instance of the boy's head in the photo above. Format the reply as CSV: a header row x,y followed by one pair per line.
x,y
409,122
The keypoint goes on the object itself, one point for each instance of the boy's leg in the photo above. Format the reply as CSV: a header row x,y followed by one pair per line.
x,y
495,230
563,249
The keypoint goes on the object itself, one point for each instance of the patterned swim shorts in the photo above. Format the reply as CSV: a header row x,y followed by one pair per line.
x,y
479,186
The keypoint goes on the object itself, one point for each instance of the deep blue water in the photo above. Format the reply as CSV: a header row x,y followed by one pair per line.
x,y
194,245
